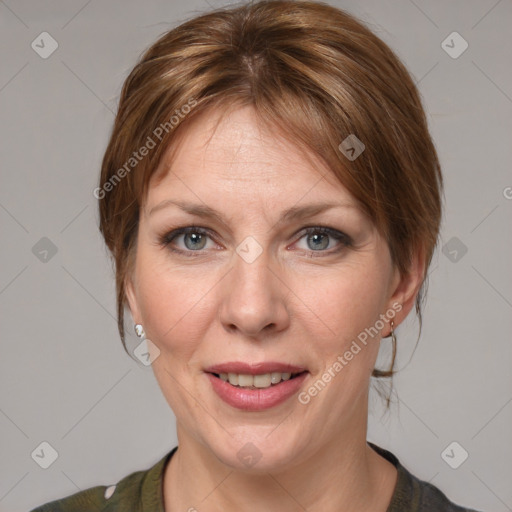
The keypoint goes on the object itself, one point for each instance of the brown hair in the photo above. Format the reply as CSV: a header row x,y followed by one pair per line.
x,y
310,70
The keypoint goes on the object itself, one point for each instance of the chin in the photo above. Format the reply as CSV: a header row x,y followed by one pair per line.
x,y
257,454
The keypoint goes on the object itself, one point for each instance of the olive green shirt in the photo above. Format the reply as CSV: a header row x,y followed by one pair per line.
x,y
142,491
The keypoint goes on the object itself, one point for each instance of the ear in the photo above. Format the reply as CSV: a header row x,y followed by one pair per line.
x,y
405,287
131,295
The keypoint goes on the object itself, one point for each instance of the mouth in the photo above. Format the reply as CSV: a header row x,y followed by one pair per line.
x,y
257,381
257,387
261,375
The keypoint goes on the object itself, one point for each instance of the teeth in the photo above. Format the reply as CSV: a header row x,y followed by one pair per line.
x,y
245,380
275,377
262,381
258,381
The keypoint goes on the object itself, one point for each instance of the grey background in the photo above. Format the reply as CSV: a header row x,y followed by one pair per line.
x,y
64,377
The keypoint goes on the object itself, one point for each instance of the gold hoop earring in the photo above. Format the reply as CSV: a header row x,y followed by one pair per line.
x,y
392,332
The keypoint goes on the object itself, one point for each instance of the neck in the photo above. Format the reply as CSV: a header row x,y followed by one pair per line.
x,y
348,476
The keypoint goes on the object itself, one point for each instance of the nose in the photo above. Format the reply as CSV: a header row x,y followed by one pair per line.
x,y
254,298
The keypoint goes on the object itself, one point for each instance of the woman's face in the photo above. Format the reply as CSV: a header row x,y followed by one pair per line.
x,y
255,284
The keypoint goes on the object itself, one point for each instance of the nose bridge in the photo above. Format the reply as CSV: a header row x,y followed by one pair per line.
x,y
253,298
251,269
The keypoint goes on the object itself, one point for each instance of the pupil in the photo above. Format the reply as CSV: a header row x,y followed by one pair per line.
x,y
196,240
317,238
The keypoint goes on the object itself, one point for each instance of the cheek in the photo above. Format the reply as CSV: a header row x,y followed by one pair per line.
x,y
344,303
174,303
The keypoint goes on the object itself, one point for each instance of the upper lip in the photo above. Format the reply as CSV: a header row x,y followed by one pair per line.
x,y
255,368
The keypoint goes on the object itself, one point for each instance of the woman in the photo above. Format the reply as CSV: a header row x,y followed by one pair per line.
x,y
271,197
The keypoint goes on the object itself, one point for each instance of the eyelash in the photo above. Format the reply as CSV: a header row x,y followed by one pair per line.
x,y
167,239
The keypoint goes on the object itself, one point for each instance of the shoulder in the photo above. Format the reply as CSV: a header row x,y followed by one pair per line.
x,y
414,495
428,497
138,487
101,498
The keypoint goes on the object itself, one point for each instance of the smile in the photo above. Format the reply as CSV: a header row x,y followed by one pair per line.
x,y
251,398
261,381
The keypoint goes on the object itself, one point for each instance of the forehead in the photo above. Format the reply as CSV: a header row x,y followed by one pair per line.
x,y
236,156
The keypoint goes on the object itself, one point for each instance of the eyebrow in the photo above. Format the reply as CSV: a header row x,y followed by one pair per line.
x,y
291,214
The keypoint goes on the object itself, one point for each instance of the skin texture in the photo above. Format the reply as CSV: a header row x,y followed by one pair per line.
x,y
302,301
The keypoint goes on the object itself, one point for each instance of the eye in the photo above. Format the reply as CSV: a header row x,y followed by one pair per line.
x,y
194,239
320,238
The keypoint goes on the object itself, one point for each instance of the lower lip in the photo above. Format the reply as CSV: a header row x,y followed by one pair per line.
x,y
256,399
